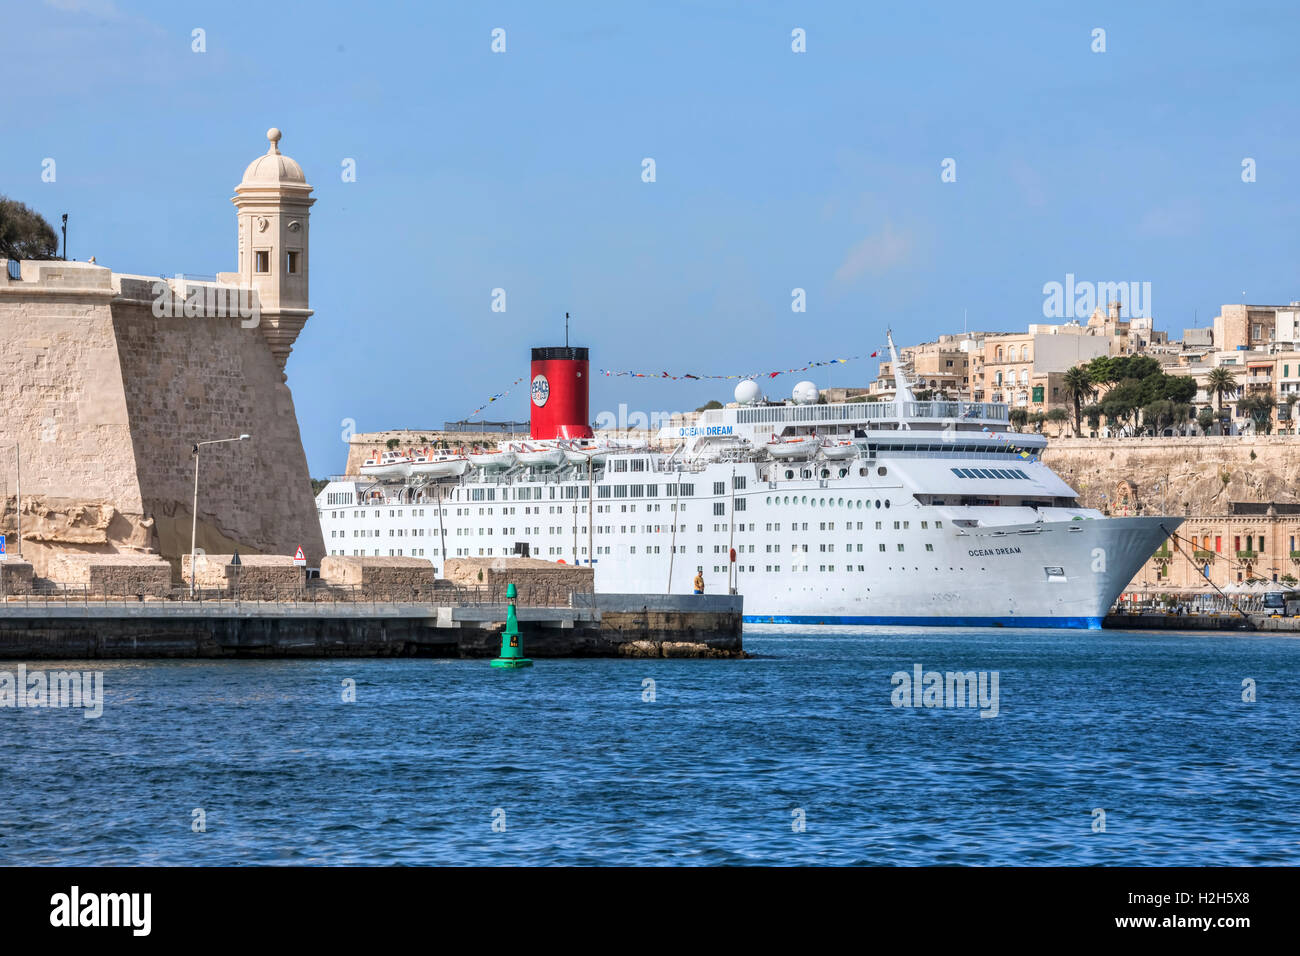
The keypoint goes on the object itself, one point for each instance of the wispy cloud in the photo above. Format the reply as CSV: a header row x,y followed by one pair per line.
x,y
876,254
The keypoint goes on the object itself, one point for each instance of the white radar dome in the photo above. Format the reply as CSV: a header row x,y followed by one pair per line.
x,y
748,392
805,393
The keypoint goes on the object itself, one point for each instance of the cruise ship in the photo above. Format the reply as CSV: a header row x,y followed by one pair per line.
x,y
898,512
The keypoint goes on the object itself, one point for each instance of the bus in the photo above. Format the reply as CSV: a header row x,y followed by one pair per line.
x,y
1284,603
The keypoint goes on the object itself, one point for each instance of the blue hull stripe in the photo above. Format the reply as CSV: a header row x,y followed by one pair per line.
x,y
1083,623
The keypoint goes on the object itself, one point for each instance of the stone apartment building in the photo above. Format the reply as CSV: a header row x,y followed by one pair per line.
x,y
1256,327
1260,343
1255,540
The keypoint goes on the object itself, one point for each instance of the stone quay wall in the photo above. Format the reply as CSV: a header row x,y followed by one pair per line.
x,y
114,574
538,583
15,576
373,577
273,576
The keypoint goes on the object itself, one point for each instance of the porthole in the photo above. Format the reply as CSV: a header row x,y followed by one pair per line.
x,y
862,472
882,471
806,473
805,500
826,472
886,502
859,502
877,502
789,472
843,472
841,503
769,499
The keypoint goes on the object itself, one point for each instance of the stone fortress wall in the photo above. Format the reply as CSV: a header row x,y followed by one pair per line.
x,y
105,400
1196,476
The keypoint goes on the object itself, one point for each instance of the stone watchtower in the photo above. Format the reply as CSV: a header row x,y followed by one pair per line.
x,y
274,203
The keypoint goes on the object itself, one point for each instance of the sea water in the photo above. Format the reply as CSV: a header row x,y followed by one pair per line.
x,y
1106,748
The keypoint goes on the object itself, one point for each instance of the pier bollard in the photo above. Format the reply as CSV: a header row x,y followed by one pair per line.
x,y
512,646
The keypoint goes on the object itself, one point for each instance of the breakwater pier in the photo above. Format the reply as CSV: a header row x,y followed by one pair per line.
x,y
1222,621
595,625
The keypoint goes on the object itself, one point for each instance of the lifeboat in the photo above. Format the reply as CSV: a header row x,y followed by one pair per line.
x,y
439,466
798,447
391,464
579,453
839,450
539,457
492,458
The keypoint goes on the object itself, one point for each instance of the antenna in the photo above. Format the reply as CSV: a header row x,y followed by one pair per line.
x,y
566,330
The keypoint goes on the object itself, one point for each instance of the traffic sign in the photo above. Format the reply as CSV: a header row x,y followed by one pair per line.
x,y
3,553
299,558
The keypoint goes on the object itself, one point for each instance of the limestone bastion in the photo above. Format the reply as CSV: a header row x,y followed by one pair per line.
x,y
108,380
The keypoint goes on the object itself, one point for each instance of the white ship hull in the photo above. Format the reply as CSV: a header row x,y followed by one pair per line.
x,y
1007,587
808,550
936,515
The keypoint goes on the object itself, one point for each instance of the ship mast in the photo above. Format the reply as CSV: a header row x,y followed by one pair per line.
x,y
902,391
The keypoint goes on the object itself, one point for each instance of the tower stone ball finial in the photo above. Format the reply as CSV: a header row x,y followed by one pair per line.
x,y
273,134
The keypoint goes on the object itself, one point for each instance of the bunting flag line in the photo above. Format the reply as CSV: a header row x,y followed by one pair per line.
x,y
497,397
1011,446
755,375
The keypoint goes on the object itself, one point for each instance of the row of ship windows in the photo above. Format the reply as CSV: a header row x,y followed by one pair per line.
x,y
815,502
392,552
795,568
988,473
553,552
672,549
628,529
717,568
719,507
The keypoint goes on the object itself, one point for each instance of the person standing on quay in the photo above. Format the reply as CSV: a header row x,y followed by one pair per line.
x,y
699,582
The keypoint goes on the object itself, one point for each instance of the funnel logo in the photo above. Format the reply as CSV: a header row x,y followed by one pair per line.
x,y
541,390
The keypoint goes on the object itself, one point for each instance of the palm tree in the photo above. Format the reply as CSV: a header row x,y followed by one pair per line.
x,y
1221,381
1079,389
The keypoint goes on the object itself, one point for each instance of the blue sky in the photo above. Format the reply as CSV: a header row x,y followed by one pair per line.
x,y
774,170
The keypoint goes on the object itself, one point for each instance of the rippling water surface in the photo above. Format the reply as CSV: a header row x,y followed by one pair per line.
x,y
1150,728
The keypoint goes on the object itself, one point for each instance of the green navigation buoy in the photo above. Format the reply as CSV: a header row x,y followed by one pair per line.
x,y
512,648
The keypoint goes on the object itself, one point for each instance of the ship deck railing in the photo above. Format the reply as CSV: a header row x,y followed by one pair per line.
x,y
957,411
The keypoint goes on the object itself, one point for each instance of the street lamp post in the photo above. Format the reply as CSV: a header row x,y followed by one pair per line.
x,y
194,522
